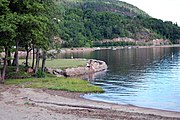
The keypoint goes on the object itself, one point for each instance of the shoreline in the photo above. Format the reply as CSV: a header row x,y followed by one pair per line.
x,y
23,103
79,96
83,49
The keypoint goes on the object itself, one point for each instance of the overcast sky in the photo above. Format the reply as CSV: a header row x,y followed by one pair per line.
x,y
167,10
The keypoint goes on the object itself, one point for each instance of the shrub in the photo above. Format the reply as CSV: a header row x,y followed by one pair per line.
x,y
40,74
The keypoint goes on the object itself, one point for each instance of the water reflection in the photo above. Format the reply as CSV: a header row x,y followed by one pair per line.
x,y
147,77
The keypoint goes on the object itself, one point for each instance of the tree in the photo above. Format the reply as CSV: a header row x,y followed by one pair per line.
x,y
7,33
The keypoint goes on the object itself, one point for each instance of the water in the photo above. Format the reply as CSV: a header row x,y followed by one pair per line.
x,y
146,77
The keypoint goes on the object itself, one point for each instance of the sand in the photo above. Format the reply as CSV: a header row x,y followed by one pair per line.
x,y
40,104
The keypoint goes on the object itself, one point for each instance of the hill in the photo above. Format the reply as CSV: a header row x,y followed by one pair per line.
x,y
114,6
88,22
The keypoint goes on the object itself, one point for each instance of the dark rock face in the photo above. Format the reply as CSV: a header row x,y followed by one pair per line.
x,y
91,67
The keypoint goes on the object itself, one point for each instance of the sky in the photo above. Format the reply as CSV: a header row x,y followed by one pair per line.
x,y
167,10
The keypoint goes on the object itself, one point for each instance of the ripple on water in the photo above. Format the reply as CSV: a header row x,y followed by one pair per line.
x,y
150,82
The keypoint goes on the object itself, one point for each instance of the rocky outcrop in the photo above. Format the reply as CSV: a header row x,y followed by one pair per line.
x,y
142,41
92,66
160,42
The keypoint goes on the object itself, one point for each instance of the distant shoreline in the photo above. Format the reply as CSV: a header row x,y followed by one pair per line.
x,y
83,49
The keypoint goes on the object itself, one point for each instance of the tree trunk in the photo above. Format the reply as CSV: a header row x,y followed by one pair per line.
x,y
3,71
9,58
37,61
17,56
14,59
43,60
27,56
1,79
33,59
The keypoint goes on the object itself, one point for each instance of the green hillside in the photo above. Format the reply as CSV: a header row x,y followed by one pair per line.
x,y
114,6
86,22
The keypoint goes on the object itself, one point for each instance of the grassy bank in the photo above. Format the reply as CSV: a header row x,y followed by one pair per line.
x,y
61,63
50,81
55,83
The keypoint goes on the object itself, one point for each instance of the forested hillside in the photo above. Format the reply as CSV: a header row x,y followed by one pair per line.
x,y
82,22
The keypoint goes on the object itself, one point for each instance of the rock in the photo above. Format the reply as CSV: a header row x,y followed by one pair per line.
x,y
49,70
59,71
30,70
92,67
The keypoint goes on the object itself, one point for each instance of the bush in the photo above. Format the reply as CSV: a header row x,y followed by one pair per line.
x,y
40,74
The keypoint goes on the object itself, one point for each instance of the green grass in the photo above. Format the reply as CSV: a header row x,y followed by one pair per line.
x,y
61,63
55,83
65,63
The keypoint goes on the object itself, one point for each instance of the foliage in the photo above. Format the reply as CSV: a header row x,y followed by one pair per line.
x,y
85,22
40,74
66,84
166,29
114,6
27,24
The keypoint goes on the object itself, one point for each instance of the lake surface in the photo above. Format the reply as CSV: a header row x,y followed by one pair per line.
x,y
146,77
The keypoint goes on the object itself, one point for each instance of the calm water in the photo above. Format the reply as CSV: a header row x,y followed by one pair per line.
x,y
147,77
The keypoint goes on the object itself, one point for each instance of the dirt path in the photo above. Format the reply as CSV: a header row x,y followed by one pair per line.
x,y
35,104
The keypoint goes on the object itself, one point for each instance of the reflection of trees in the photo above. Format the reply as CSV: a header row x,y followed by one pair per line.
x,y
128,68
126,60
84,54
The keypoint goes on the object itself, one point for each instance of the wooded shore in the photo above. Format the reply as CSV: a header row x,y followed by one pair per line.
x,y
83,49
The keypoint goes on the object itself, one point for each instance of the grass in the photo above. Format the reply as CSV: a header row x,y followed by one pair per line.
x,y
61,63
55,83
52,82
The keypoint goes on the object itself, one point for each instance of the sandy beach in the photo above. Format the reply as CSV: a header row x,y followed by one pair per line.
x,y
18,103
